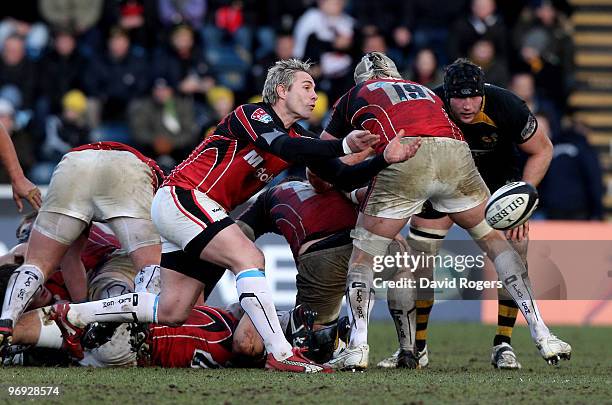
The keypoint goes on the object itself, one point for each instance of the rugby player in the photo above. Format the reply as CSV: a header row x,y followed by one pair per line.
x,y
443,172
248,148
105,181
210,338
496,124
22,187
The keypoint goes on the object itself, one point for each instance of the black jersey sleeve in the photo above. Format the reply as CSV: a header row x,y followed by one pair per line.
x,y
257,215
347,177
340,122
511,113
253,123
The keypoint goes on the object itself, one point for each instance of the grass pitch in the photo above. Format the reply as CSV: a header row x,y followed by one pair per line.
x,y
459,372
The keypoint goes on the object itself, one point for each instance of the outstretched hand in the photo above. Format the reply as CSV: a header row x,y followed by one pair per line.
x,y
359,140
400,148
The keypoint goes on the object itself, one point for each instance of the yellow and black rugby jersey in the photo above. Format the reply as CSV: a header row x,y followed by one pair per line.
x,y
503,122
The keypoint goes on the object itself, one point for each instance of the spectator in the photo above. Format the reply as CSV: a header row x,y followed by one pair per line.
x,y
425,23
228,44
163,124
324,35
18,70
425,69
573,187
22,18
548,30
76,16
139,18
546,50
522,84
182,63
79,17
481,23
61,70
67,130
283,49
220,102
483,54
189,12
117,77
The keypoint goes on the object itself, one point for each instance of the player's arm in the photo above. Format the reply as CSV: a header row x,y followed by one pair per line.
x,y
347,178
22,187
254,124
358,195
255,221
539,152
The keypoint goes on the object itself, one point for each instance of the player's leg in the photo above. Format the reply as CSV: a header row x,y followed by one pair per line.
x,y
126,207
426,233
140,239
201,228
502,353
513,274
401,301
371,238
321,281
49,240
465,203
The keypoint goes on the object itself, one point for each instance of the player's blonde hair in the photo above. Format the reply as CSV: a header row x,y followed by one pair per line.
x,y
282,73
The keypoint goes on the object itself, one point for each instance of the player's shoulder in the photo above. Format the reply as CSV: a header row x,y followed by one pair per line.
x,y
501,98
260,112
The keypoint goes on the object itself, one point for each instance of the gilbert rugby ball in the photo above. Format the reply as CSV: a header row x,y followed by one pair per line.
x,y
511,205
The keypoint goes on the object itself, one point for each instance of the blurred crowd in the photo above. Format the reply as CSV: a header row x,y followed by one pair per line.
x,y
159,74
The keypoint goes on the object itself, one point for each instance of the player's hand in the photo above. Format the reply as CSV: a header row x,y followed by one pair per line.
x,y
24,188
359,140
518,233
401,148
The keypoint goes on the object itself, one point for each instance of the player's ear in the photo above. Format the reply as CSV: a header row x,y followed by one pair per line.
x,y
281,90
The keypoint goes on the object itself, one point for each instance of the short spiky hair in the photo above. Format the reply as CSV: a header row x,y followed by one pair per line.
x,y
282,73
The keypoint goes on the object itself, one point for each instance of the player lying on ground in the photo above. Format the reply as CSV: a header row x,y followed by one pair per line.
x,y
248,148
210,338
444,173
495,123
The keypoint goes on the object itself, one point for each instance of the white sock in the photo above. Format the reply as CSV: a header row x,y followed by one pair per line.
x,y
256,300
360,298
50,334
133,307
148,279
22,286
510,270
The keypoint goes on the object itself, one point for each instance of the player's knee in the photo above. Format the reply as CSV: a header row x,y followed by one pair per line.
x,y
426,240
370,243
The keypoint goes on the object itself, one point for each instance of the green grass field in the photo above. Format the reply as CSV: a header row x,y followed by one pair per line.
x,y
459,372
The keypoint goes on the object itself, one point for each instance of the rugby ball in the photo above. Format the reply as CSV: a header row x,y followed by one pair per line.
x,y
511,205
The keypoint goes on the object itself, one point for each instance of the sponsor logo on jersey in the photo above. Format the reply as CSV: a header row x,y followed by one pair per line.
x,y
263,176
261,115
530,127
253,158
